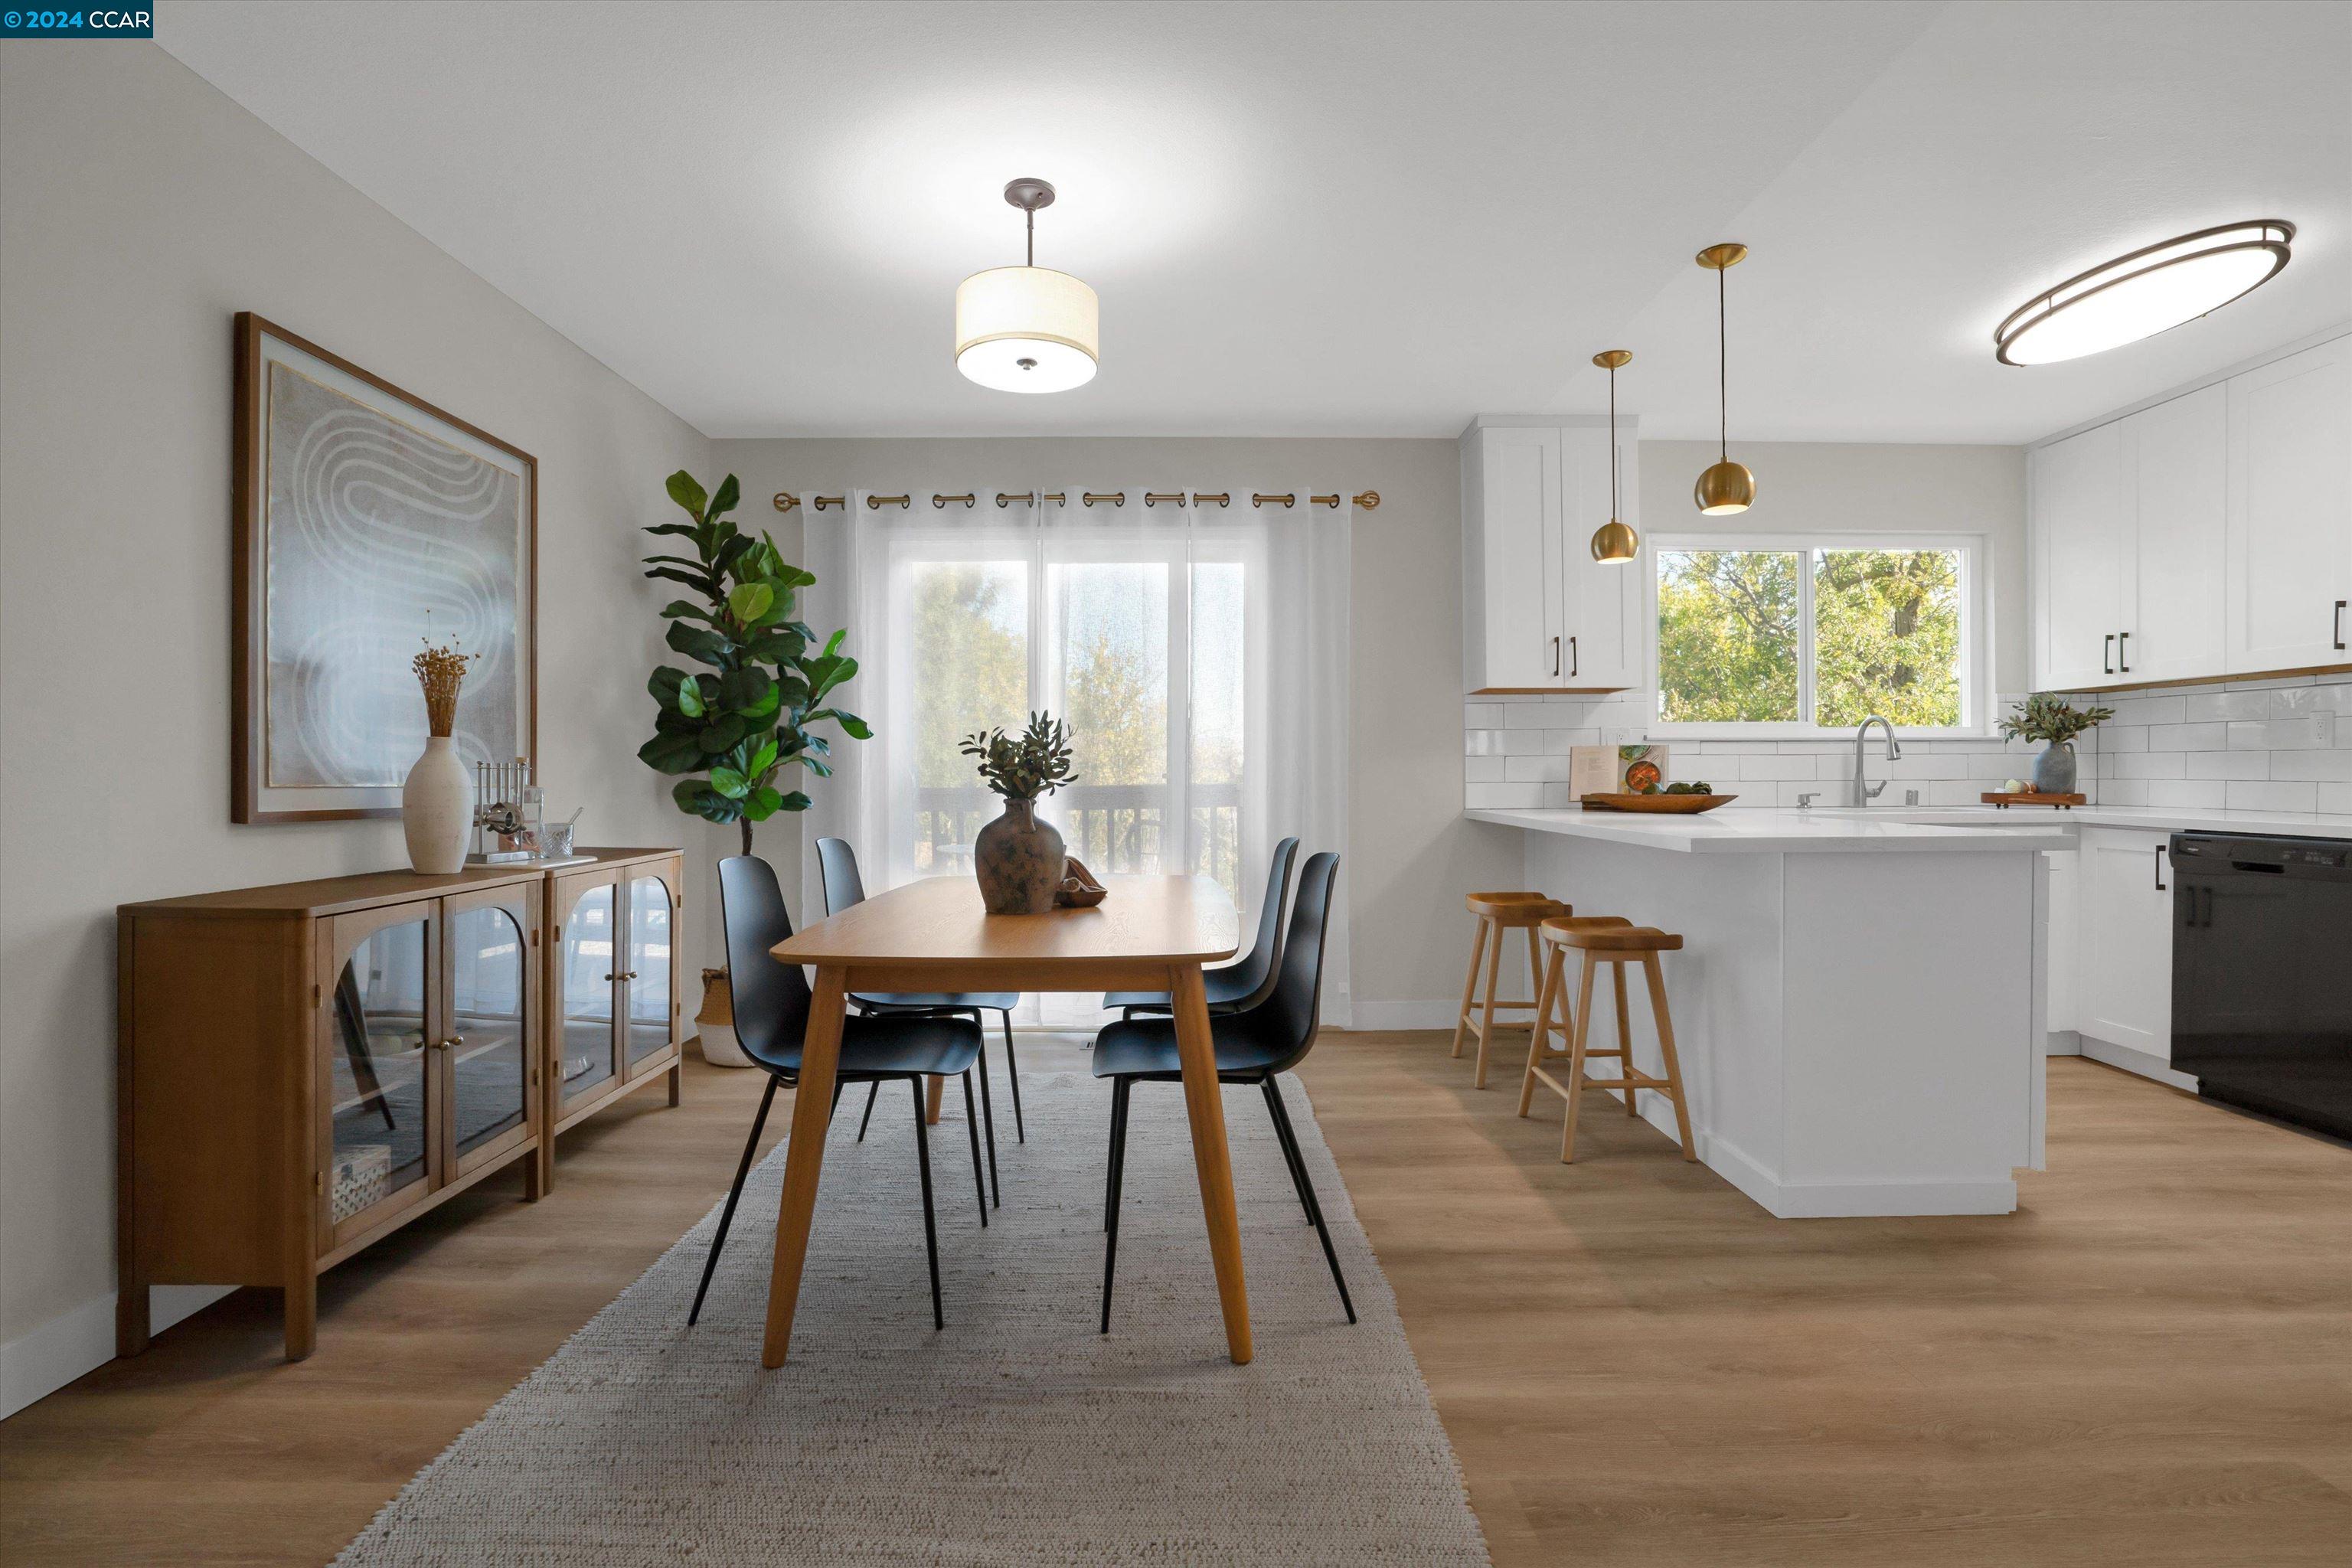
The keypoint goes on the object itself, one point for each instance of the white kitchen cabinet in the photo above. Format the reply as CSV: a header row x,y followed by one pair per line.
x,y
2078,511
2123,941
2175,463
2290,506
1538,613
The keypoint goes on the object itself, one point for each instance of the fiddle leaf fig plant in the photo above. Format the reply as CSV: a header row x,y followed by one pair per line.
x,y
732,730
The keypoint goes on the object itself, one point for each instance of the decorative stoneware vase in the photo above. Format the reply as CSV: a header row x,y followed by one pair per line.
x,y
716,1022
1019,861
436,809
2053,770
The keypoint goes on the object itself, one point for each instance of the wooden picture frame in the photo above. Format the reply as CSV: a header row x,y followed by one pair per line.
x,y
324,777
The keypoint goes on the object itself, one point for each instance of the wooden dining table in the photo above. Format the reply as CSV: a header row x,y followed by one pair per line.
x,y
1152,934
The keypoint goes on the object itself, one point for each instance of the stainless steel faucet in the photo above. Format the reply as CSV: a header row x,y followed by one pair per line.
x,y
1863,791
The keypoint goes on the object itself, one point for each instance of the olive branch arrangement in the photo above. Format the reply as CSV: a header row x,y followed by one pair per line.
x,y
2046,716
1036,763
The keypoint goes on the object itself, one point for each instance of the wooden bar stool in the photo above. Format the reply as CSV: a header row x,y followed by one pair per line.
x,y
1499,912
1616,942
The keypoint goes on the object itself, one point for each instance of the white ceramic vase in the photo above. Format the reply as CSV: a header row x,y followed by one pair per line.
x,y
436,809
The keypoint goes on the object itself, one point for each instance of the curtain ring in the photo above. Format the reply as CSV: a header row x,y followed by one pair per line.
x,y
1030,498
875,503
1331,501
1260,501
1202,498
1152,499
824,501
940,501
1116,498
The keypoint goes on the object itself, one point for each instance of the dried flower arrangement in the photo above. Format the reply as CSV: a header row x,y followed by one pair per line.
x,y
441,671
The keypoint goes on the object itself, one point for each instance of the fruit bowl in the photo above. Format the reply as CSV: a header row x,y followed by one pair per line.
x,y
1676,804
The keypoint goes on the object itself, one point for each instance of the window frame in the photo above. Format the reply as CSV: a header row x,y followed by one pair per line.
x,y
1975,551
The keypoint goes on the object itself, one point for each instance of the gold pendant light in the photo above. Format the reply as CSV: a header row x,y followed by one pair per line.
x,y
1727,486
1613,542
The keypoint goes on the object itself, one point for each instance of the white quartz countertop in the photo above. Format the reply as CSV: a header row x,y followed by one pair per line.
x,y
1844,829
1788,832
2155,818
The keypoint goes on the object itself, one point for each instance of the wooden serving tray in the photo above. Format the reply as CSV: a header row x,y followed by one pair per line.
x,y
1674,804
2030,797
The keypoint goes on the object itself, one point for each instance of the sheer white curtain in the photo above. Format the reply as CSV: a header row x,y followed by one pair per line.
x,y
1200,653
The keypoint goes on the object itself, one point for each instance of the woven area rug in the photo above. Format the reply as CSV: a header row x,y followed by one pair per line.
x,y
1019,1435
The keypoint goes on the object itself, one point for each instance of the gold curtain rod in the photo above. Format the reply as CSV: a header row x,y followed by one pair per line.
x,y
1366,501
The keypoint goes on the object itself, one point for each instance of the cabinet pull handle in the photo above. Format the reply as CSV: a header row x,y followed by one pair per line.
x,y
1555,658
1575,661
2122,652
2159,869
2339,620
2108,655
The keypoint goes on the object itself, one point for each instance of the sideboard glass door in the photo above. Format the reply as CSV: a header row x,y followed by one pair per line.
x,y
381,1113
488,1039
589,982
648,973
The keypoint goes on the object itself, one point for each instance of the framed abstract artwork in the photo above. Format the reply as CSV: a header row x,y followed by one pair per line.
x,y
368,523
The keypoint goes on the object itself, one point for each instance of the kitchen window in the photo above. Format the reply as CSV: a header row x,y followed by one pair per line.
x,y
1794,635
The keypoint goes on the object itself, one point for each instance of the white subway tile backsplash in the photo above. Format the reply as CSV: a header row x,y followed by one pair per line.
x,y
2268,796
2283,734
2197,792
2205,737
1534,769
1501,796
2146,765
2268,744
2336,764
2229,765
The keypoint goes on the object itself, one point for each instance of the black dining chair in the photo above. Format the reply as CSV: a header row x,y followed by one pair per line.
x,y
1253,1047
772,1012
1249,980
844,888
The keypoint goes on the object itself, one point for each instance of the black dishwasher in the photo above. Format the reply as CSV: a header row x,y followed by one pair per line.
x,y
2262,973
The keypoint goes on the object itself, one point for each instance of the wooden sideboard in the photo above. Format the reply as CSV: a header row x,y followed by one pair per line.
x,y
301,1069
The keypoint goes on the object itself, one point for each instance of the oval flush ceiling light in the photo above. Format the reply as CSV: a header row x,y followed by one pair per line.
x,y
2147,293
1027,328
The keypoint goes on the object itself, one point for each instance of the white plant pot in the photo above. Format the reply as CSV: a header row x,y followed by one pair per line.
x,y
436,809
721,1049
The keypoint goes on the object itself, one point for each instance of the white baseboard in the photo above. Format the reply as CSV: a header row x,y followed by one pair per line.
x,y
1846,1200
1405,1015
2063,1043
37,1364
2134,1060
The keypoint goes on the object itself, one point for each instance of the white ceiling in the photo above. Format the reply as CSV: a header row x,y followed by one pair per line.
x,y
1331,218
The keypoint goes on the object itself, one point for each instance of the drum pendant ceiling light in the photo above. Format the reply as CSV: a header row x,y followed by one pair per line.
x,y
1613,542
1026,328
2148,291
1727,486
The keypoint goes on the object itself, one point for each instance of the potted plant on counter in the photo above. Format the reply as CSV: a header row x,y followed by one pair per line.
x,y
1019,860
2047,717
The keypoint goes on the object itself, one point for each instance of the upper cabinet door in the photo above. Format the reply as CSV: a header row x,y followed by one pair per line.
x,y
2079,519
1598,600
2176,460
1512,569
2290,537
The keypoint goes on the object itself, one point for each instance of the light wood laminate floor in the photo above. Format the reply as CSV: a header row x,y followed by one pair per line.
x,y
2150,1364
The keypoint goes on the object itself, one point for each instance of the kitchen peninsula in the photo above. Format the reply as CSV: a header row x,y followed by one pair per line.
x,y
1859,1003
